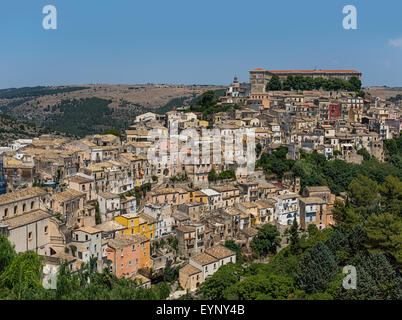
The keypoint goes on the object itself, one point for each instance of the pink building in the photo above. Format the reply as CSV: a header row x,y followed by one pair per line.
x,y
128,253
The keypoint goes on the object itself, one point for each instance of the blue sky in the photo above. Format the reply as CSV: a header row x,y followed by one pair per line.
x,y
187,41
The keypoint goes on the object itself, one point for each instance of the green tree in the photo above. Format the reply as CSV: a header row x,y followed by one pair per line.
x,y
214,287
376,279
163,290
24,272
231,245
274,84
266,241
212,176
355,84
363,152
294,238
114,132
262,287
207,99
7,252
363,194
317,269
391,193
384,234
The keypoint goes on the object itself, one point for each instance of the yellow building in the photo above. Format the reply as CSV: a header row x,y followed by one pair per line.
x,y
203,123
138,224
251,210
190,192
200,197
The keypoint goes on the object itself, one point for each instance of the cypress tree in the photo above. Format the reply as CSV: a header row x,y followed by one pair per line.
x,y
317,268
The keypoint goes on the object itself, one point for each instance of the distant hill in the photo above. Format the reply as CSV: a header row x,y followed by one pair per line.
x,y
87,109
384,92
11,129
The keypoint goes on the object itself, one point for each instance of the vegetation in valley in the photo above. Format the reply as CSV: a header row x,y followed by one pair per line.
x,y
12,93
207,104
368,236
84,117
315,170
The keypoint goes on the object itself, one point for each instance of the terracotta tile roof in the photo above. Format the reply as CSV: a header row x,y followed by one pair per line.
x,y
311,200
313,71
318,189
89,230
189,270
81,179
108,195
144,218
126,240
306,71
204,259
250,232
66,195
220,252
249,205
186,228
141,278
26,218
288,195
109,226
261,204
21,195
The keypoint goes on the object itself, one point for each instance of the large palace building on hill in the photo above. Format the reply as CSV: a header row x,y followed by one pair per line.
x,y
259,77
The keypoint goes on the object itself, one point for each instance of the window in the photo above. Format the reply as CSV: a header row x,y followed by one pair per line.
x,y
133,248
136,261
122,265
15,210
145,253
86,237
129,263
24,206
29,236
5,213
32,205
46,229
121,252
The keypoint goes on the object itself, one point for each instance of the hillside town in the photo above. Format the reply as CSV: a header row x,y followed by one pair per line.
x,y
172,189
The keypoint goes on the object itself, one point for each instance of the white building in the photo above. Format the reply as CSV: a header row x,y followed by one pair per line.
x,y
109,205
214,199
163,214
88,241
287,208
212,259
